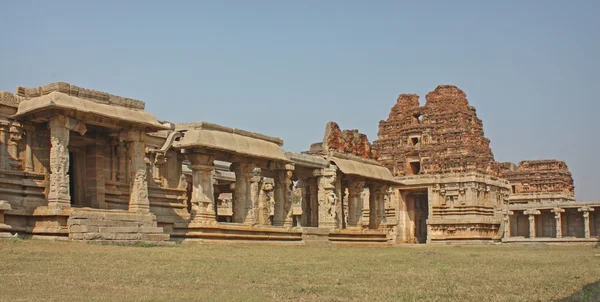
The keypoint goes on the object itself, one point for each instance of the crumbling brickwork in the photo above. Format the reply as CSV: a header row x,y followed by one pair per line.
x,y
343,141
539,176
443,136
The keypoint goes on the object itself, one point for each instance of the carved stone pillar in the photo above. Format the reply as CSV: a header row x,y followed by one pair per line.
x,y
355,205
586,220
532,213
138,199
265,198
203,170
242,199
29,132
283,215
14,137
558,218
58,193
328,201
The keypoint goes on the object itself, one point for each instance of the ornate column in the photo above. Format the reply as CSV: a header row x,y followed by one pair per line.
x,y
283,198
14,137
138,199
327,199
265,198
586,220
532,213
242,199
355,206
558,218
58,193
203,170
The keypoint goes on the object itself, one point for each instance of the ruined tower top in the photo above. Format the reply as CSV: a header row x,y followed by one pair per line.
x,y
442,136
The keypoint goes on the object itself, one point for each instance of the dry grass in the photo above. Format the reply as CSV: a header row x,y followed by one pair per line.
x,y
40,270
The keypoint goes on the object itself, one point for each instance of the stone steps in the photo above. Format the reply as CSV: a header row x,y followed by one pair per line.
x,y
114,226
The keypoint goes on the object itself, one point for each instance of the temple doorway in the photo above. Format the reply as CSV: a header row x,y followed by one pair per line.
x,y
421,210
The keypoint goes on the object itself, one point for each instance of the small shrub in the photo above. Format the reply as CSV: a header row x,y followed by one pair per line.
x,y
15,239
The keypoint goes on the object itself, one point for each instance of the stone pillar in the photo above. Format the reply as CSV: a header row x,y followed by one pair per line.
x,y
283,198
14,137
328,201
58,193
29,132
94,174
3,143
242,199
113,160
265,198
532,213
203,170
138,199
355,205
558,218
507,224
586,220
123,168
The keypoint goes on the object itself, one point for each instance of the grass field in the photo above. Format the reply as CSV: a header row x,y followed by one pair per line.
x,y
33,270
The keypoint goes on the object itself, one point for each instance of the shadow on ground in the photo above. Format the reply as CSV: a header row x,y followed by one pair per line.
x,y
590,292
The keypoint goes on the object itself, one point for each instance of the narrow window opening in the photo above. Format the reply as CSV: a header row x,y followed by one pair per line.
x,y
414,140
514,189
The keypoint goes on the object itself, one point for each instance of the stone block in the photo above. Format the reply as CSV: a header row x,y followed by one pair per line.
x,y
155,237
119,229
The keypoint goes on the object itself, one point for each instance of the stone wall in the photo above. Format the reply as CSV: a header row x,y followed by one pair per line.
x,y
539,176
343,141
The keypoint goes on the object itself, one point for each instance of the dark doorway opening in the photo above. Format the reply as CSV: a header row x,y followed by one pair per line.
x,y
415,167
421,206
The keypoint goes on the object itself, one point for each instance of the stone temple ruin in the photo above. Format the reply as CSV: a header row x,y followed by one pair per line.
x,y
87,165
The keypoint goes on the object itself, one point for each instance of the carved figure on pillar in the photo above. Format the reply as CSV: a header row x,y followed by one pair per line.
x,y
14,137
283,199
327,198
58,193
265,198
138,200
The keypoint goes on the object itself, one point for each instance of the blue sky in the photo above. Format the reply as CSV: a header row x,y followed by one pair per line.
x,y
285,68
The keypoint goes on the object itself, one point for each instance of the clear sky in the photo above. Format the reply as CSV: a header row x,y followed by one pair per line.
x,y
285,68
